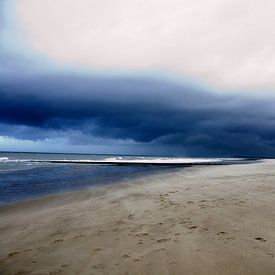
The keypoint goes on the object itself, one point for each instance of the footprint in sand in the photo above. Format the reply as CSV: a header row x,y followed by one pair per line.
x,y
79,236
224,236
260,239
193,227
13,253
58,241
186,220
142,235
160,249
173,262
163,240
100,232
204,206
98,266
120,222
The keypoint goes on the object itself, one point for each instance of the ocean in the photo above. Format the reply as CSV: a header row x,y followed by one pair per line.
x,y
30,175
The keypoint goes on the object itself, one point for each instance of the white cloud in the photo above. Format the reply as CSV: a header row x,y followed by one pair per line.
x,y
226,43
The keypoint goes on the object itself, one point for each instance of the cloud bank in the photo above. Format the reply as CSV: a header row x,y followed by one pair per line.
x,y
136,111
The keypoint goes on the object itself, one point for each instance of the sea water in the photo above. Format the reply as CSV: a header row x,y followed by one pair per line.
x,y
21,177
31,175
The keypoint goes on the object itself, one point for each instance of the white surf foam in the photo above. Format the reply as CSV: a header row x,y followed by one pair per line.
x,y
130,160
162,160
149,160
3,159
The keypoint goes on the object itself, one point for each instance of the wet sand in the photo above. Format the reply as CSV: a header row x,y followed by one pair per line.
x,y
200,220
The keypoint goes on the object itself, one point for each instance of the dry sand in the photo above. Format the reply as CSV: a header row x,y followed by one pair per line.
x,y
201,220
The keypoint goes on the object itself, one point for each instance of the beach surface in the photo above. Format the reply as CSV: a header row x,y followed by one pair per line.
x,y
197,220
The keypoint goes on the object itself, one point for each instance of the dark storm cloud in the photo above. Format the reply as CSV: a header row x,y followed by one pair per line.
x,y
149,111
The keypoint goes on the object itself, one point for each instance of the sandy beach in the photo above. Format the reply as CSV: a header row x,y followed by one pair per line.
x,y
197,220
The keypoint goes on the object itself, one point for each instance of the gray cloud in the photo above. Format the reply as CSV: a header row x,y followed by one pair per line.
x,y
155,113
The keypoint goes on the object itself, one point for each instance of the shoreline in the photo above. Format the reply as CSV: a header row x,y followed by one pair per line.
x,y
169,168
172,162
198,220
94,188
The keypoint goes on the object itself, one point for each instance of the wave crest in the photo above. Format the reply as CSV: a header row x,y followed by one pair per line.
x,y
4,159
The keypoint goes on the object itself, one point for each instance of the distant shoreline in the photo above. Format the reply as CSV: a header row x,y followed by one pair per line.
x,y
30,186
156,163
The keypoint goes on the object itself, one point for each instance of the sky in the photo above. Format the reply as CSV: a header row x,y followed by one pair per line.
x,y
177,77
